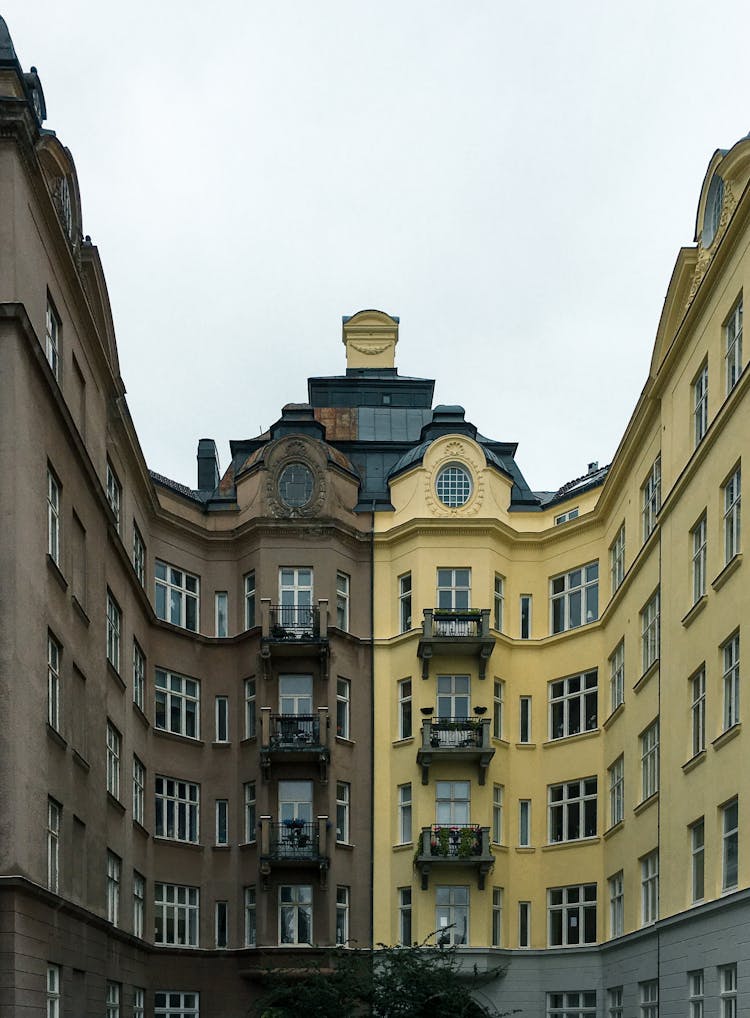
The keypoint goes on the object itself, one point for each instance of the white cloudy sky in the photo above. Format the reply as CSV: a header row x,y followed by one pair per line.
x,y
513,179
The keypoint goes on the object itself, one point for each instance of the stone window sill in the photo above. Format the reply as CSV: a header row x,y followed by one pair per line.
x,y
693,762
697,608
727,736
732,565
644,805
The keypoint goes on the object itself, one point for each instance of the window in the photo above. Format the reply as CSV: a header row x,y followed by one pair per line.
x,y
78,560
452,915
650,632
343,708
54,651
452,800
453,589
649,994
524,924
221,924
695,993
698,711
700,404
572,810
733,333
139,790
295,914
453,486
614,1002
497,709
699,559
617,559
404,602
176,915
574,598
249,811
114,494
177,596
222,718
524,823
53,328
53,516
139,902
572,1004
54,814
650,760
573,705
343,794
113,1000
497,813
571,514
525,617
616,913
650,888
404,916
342,601
617,791
53,991
404,814
113,760
731,657
572,915
698,857
176,809
498,603
728,990
139,676
296,594
114,623
139,1003
250,924
453,696
221,604
139,556
524,719
617,676
651,498
177,704
222,822
249,708
497,916
730,846
250,599
404,709
168,1004
732,491
342,915
113,888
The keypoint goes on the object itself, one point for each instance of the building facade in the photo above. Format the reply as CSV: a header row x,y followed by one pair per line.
x,y
365,686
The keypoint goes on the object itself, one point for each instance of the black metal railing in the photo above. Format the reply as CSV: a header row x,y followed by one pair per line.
x,y
453,841
294,731
294,839
294,622
455,733
456,623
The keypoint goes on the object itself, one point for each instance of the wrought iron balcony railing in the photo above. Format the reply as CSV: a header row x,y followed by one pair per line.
x,y
294,839
456,632
457,739
453,733
294,622
456,845
294,731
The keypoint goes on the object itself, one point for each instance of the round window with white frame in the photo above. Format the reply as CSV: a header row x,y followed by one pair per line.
x,y
454,485
296,485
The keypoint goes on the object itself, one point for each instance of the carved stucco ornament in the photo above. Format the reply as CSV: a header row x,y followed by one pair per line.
x,y
705,255
368,349
465,455
286,451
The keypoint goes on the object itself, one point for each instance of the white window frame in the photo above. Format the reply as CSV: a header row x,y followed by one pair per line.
x,y
524,719
452,803
298,905
139,791
571,514
404,603
614,1002
616,905
343,708
343,585
617,791
54,816
177,809
497,814
649,998
176,915
343,898
650,888
525,610
405,707
571,1004
498,601
250,599
453,589
404,916
54,653
251,925
221,717
139,676
497,917
650,631
405,815
114,495
617,559
617,676
221,614
114,747
696,993
700,404
452,692
53,991
577,586
113,999
114,631
728,990
733,342
698,859
573,705
139,555
524,823
498,698
649,740
114,872
524,924
139,903
730,837
221,833
139,1002
699,536
250,811
576,901
250,719
651,498
221,924
571,805
52,334
53,516
732,492
730,655
343,812
698,711
176,1004
171,688
452,905
177,589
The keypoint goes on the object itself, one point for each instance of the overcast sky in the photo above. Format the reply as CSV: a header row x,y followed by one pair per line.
x,y
513,180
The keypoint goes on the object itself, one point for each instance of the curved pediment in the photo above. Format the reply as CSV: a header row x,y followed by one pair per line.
x,y
62,180
370,339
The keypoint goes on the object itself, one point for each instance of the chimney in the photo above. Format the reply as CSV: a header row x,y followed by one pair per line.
x,y
370,339
594,466
208,465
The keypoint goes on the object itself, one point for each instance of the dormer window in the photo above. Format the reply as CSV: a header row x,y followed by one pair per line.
x,y
453,485
296,485
712,214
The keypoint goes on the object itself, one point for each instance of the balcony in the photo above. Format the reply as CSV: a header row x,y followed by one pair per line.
x,y
460,740
293,630
454,845
293,844
294,738
456,632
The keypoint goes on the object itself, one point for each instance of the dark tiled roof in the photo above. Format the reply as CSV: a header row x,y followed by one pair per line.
x,y
181,489
575,487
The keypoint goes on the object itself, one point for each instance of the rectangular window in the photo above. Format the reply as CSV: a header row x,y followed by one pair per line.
x,y
650,760
222,719
700,404
453,700
497,814
649,995
53,516
614,1002
728,990
296,598
250,825
731,660
139,555
250,599
498,602
54,652
617,791
497,708
114,625
249,708
452,801
733,334
497,916
732,492
176,913
53,991
651,498
571,514
617,676
139,791
698,857
222,924
295,914
404,602
177,704
617,559
52,333
698,711
221,604
343,795
730,846
572,1004
404,709
525,607
342,602
176,809
343,708
114,865
616,912
404,916
524,924
524,823
139,903
342,915
139,676
572,915
453,589
114,495
650,632
524,711
54,814
139,1003
649,888
404,814
78,556
574,598
572,810
177,594
113,1000
699,559
172,1004
250,924
113,760
695,993
222,822
452,915
573,705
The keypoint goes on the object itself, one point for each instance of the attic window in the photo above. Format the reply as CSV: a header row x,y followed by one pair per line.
x,y
453,485
296,485
712,214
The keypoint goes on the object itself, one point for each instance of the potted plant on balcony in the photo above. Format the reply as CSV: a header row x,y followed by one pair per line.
x,y
469,841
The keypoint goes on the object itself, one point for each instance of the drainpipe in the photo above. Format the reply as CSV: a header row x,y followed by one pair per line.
x,y
372,722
